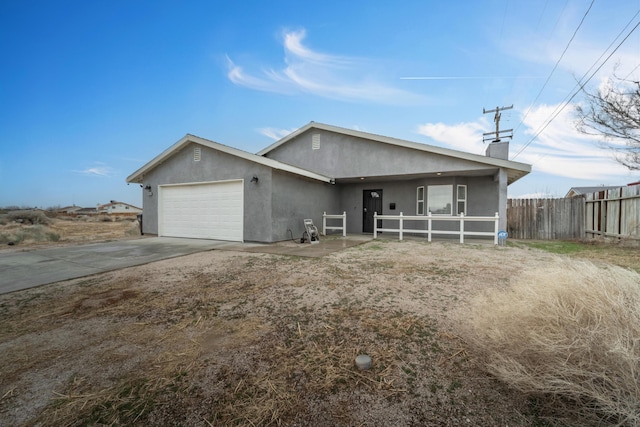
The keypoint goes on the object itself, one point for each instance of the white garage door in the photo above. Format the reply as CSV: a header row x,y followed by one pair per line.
x,y
211,210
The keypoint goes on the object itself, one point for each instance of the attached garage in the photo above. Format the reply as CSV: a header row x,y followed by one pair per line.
x,y
209,210
200,189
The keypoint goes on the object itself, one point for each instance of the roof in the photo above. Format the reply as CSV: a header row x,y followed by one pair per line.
x,y
515,170
580,191
138,176
114,202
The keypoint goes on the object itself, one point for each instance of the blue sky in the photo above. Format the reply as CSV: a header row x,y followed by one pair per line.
x,y
92,90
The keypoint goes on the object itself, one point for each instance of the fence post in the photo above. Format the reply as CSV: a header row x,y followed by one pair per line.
x,y
375,225
495,227
324,223
344,224
461,227
400,225
429,228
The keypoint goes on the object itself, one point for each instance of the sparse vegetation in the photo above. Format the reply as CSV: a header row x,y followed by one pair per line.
x,y
24,228
29,217
621,253
232,338
566,335
34,233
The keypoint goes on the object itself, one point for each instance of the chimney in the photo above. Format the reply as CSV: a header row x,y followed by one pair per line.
x,y
498,150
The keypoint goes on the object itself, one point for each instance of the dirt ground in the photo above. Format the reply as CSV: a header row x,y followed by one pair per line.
x,y
235,338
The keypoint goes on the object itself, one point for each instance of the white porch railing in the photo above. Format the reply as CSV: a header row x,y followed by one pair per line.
x,y
430,231
343,227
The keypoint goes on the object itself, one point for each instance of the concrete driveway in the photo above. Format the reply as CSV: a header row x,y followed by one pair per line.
x,y
22,270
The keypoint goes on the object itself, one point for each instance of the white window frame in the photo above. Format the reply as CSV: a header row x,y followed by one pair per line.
x,y
462,200
419,201
438,192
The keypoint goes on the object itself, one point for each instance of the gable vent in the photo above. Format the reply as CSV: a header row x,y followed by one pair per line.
x,y
196,154
315,141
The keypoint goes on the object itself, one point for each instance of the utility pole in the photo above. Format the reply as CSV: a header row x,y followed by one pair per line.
x,y
498,132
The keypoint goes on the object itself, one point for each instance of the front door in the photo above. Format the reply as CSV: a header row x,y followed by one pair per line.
x,y
371,203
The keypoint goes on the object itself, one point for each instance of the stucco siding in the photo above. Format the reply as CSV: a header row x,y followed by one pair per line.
x,y
482,198
213,166
295,199
345,156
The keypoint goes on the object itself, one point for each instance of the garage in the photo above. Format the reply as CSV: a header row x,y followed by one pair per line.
x,y
210,210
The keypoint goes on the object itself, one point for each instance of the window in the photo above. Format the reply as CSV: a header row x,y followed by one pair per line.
x,y
420,201
439,199
462,199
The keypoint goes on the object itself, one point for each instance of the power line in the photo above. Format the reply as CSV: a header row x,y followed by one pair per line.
x,y
559,109
634,69
555,66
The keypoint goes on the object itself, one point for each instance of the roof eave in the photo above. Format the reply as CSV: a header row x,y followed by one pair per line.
x,y
401,143
138,176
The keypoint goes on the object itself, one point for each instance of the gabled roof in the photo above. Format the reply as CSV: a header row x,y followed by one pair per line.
x,y
114,202
515,170
138,176
581,191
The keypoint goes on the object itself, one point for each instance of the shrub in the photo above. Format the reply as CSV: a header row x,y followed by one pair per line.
x,y
52,236
13,238
29,216
570,332
134,229
37,233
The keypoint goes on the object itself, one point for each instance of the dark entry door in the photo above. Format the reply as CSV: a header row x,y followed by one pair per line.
x,y
371,202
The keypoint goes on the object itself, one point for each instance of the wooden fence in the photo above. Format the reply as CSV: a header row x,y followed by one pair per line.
x,y
546,219
614,213
608,213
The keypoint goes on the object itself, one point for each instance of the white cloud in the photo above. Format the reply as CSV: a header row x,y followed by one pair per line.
x,y
560,150
274,133
320,74
98,169
462,136
563,151
536,195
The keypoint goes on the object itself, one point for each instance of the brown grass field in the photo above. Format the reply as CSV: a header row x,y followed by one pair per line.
x,y
236,338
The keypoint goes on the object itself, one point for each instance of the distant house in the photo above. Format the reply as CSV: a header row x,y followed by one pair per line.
x,y
68,209
119,208
582,191
86,211
202,189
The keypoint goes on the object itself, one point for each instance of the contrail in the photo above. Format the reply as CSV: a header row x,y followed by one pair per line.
x,y
468,78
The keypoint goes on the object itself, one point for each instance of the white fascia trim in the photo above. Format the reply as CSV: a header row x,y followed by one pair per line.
x,y
138,175
401,143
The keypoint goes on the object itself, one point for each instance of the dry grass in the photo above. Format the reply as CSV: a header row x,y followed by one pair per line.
x,y
63,230
226,338
569,332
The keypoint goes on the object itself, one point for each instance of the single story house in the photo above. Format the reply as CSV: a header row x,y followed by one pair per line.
x,y
114,207
68,209
199,188
582,191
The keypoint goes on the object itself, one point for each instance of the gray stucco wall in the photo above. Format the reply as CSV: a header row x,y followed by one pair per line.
x,y
275,206
343,156
214,166
482,199
295,199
